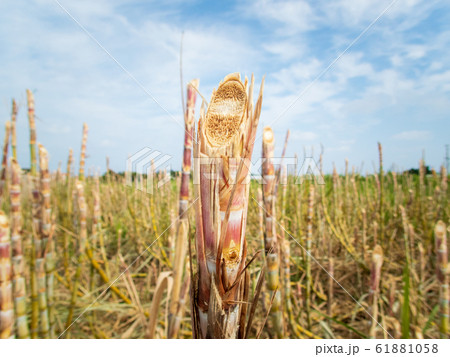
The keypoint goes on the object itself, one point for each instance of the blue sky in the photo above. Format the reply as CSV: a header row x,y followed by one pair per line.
x,y
392,85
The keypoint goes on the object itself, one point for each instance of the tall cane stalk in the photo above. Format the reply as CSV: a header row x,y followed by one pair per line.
x,y
381,197
176,305
13,129
271,245
35,207
308,254
375,274
4,159
6,290
226,135
83,152
31,121
42,234
285,243
47,239
81,208
440,234
18,262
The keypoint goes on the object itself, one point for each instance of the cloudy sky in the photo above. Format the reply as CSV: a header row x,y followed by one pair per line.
x,y
391,85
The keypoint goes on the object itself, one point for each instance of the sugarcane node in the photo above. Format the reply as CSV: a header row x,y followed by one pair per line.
x,y
232,255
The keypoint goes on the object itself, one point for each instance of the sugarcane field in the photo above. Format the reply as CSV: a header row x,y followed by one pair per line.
x,y
301,192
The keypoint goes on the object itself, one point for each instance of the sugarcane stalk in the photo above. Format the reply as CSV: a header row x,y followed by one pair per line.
x,y
335,192
31,121
69,205
406,310
280,175
35,246
381,201
287,280
13,129
440,236
261,231
34,293
422,193
175,308
19,283
43,226
96,215
172,234
444,195
364,233
308,255
271,245
346,190
4,159
226,135
395,183
94,234
375,274
81,209
35,218
83,152
6,289
285,244
261,215
73,298
330,277
69,165
47,242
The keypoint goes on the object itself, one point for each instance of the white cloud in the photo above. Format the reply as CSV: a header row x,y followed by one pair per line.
x,y
416,52
413,135
286,50
302,136
56,128
342,146
106,143
352,65
353,13
358,14
293,16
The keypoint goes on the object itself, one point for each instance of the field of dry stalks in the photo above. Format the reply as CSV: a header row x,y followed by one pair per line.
x,y
87,256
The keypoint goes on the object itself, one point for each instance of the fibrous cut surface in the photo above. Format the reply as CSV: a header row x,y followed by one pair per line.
x,y
225,112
